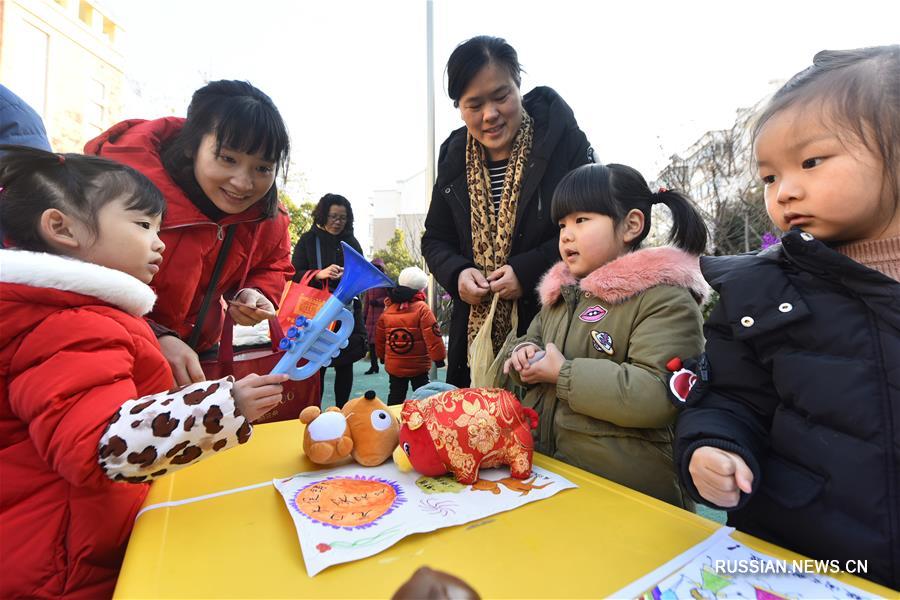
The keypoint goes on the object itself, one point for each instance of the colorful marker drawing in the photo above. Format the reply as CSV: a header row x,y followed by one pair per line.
x,y
510,483
439,485
351,512
719,568
437,507
348,503
360,543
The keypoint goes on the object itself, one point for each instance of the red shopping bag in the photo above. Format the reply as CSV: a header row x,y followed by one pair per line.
x,y
297,394
300,298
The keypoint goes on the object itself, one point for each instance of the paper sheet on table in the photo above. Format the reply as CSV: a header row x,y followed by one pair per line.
x,y
352,512
700,572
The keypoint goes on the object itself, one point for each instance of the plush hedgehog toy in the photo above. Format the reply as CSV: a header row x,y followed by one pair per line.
x,y
363,430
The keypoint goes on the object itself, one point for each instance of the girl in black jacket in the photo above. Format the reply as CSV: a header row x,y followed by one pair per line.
x,y
793,426
320,249
488,229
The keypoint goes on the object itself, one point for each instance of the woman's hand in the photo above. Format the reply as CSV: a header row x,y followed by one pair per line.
x,y
473,287
720,476
520,357
182,359
255,395
330,272
546,370
250,307
504,282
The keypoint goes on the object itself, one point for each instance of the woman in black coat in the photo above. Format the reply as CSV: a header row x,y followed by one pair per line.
x,y
320,249
514,150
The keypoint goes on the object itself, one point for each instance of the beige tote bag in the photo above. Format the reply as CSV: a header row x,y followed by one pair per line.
x,y
481,352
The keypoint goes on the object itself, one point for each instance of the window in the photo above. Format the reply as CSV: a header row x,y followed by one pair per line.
x,y
28,75
86,13
95,108
109,30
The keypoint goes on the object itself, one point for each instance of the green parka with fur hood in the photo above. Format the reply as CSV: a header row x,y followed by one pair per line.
x,y
617,328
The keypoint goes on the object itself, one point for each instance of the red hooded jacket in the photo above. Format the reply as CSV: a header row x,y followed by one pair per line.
x,y
72,348
193,240
408,337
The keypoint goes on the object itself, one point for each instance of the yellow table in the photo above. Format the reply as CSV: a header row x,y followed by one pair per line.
x,y
580,543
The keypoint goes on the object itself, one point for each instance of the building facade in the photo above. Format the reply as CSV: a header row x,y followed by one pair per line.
x,y
402,207
62,58
717,173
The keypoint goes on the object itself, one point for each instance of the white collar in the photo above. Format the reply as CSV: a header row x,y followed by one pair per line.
x,y
43,270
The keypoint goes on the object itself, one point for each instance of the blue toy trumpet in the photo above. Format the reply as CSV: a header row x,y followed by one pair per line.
x,y
311,338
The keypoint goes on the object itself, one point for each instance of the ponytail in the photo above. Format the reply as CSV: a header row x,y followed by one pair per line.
x,y
614,190
688,230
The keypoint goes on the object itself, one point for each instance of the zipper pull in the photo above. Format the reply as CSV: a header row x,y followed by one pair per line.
x,y
220,234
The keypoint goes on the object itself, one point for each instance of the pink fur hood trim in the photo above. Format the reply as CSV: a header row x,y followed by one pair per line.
x,y
629,275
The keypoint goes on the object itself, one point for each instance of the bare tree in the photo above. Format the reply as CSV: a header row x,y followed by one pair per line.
x,y
717,174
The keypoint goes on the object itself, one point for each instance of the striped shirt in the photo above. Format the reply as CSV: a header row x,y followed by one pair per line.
x,y
497,170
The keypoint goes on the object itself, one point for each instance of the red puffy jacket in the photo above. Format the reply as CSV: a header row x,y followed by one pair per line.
x,y
70,355
408,338
193,240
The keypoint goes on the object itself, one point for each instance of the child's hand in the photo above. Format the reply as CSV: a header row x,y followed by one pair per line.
x,y
720,476
546,370
250,307
519,359
255,395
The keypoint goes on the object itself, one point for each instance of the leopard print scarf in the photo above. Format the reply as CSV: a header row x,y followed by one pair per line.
x,y
492,233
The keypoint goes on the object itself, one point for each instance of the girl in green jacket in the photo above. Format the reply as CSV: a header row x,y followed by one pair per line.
x,y
612,316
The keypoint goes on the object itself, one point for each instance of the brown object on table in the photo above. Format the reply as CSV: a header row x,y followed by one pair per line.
x,y
435,585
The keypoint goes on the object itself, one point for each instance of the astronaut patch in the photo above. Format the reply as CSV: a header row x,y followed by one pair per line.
x,y
592,314
602,341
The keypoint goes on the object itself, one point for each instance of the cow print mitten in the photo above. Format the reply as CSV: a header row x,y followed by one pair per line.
x,y
161,433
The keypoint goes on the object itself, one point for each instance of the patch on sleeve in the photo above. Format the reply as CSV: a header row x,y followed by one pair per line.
x,y
686,374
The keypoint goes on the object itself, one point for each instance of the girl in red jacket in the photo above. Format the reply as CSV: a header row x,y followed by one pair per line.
x,y
407,336
216,170
85,416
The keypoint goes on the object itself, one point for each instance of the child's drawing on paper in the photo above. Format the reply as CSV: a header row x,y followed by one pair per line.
x,y
352,512
720,567
348,502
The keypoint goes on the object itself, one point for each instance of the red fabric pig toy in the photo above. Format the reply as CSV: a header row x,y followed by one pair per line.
x,y
462,431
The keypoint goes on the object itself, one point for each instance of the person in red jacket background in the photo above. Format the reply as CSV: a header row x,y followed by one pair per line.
x,y
217,171
85,416
374,308
407,336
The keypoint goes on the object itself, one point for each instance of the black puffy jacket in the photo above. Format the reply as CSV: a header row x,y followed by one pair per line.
x,y
804,384
558,147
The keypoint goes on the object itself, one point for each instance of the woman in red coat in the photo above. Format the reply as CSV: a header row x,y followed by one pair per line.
x,y
217,172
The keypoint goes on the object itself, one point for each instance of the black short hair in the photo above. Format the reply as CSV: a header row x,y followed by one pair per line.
x,y
470,56
242,118
34,180
320,212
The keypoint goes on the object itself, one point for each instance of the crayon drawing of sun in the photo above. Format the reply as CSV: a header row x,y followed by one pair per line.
x,y
348,503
